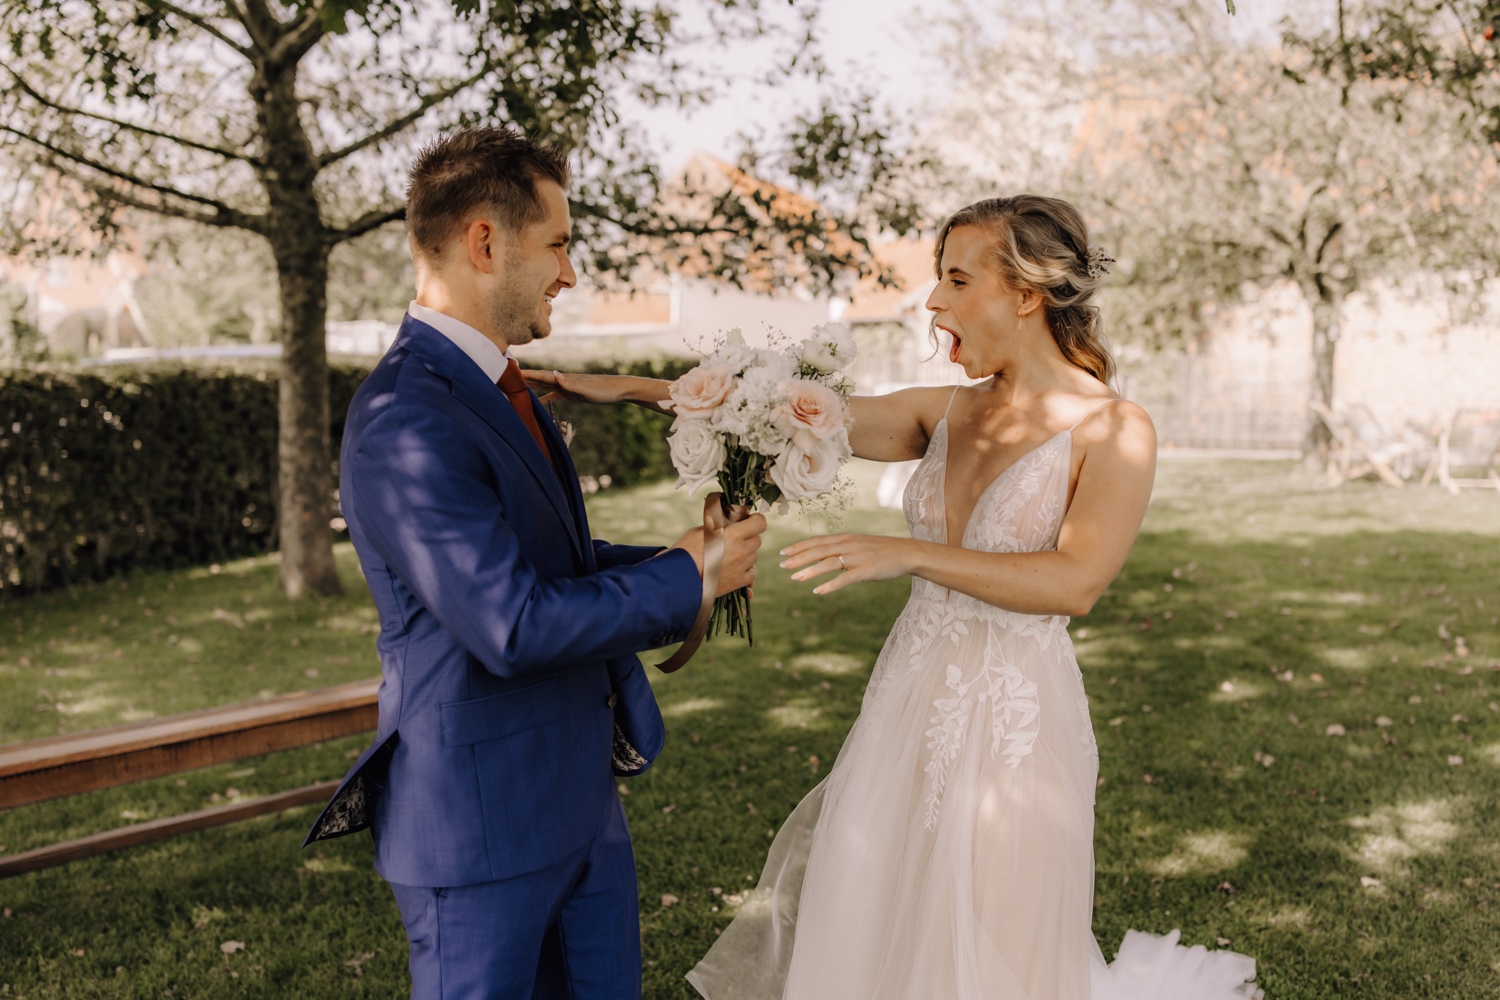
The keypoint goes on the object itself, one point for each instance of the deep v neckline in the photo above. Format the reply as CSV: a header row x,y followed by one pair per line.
x,y
984,493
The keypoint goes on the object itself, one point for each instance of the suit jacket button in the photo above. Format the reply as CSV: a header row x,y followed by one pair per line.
x,y
612,700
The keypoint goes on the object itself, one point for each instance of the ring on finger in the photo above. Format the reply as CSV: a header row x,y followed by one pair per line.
x,y
842,564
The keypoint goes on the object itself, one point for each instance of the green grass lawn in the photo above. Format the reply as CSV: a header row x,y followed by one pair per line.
x,y
1258,613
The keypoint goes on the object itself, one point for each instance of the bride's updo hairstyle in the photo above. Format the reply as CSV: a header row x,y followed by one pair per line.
x,y
1042,244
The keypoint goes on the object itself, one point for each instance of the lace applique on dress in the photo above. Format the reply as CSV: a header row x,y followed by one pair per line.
x,y
1014,714
1003,530
998,524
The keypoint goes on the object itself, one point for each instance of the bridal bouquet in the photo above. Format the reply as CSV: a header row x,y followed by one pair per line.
x,y
769,425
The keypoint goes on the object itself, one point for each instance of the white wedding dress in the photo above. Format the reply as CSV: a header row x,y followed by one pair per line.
x,y
948,855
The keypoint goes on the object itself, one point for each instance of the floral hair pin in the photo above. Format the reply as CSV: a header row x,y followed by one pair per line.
x,y
1095,261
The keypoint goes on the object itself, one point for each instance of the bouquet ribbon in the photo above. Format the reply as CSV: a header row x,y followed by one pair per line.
x,y
716,513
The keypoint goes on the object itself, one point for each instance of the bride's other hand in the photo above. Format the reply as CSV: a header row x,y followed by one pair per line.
x,y
854,558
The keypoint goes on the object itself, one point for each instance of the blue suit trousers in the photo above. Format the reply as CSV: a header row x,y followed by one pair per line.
x,y
570,931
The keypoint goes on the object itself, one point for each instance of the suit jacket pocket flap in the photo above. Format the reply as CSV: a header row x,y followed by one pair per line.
x,y
498,715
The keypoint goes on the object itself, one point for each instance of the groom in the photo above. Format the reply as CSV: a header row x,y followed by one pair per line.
x,y
512,695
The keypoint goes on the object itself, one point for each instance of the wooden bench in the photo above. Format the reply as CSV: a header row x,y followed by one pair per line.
x,y
38,770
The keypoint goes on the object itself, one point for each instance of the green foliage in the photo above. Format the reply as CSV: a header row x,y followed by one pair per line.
x,y
106,473
1447,44
118,98
100,473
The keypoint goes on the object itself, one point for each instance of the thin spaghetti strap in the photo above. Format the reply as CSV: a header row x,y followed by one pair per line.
x,y
1114,399
950,401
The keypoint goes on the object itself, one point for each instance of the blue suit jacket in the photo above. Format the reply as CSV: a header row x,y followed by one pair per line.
x,y
511,690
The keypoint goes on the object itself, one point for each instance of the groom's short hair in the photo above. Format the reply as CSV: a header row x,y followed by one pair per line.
x,y
485,169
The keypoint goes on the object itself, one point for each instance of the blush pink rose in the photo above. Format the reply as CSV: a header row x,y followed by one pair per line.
x,y
702,391
809,474
811,412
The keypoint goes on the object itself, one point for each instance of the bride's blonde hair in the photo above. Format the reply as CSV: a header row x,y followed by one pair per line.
x,y
1041,244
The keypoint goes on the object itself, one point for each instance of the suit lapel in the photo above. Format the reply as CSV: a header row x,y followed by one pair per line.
x,y
564,459
470,387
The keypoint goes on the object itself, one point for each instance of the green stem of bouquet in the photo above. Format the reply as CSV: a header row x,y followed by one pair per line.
x,y
742,481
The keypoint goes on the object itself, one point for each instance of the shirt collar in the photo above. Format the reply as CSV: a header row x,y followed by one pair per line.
x,y
480,349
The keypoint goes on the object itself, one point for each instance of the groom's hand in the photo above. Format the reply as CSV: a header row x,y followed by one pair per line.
x,y
741,543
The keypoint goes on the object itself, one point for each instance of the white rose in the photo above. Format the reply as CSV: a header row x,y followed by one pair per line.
x,y
698,453
735,357
803,474
774,361
831,348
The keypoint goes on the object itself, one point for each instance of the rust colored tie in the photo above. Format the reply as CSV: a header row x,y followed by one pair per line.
x,y
514,386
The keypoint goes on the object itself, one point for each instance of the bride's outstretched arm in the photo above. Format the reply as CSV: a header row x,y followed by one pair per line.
x,y
648,392
889,428
1109,503
895,427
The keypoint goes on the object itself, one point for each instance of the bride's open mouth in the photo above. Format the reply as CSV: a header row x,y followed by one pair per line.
x,y
954,347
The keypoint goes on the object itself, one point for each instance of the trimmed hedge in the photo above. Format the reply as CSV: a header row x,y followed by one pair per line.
x,y
109,471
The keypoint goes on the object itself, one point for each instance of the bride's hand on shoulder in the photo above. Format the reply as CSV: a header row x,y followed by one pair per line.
x,y
575,386
855,558
551,386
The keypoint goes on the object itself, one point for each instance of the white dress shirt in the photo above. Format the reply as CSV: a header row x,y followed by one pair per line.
x,y
481,349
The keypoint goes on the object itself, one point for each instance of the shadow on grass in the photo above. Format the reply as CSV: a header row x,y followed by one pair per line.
x,y
1225,809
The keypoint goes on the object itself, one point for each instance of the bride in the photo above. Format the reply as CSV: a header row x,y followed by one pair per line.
x,y
949,852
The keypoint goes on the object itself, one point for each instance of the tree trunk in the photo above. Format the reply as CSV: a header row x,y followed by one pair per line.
x,y
300,246
1325,335
305,480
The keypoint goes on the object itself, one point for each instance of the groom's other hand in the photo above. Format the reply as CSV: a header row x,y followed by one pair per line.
x,y
741,544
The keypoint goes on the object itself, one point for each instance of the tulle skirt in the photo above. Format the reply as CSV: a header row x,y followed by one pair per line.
x,y
949,852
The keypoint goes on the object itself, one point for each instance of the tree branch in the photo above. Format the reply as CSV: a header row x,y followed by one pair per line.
x,y
426,104
1274,231
1328,238
224,215
111,194
202,22
373,219
299,37
260,24
34,94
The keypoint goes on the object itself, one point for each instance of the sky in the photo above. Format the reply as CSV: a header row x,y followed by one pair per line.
x,y
885,44
861,40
